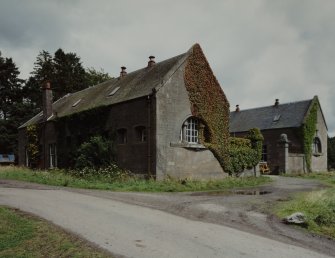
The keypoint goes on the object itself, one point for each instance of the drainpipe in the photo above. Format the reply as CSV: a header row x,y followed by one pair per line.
x,y
149,135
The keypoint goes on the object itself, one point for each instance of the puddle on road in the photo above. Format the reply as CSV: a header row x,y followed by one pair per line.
x,y
248,192
233,192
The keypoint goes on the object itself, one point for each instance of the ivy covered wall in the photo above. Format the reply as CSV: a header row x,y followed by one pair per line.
x,y
208,103
308,133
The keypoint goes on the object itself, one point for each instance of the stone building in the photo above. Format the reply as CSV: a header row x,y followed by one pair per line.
x,y
284,129
155,115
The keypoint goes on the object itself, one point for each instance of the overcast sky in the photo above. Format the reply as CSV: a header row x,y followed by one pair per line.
x,y
259,50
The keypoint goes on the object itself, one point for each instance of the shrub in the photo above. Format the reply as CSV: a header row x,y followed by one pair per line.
x,y
245,153
97,152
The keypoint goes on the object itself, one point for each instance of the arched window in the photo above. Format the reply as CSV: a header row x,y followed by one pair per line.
x,y
190,130
141,133
317,146
122,136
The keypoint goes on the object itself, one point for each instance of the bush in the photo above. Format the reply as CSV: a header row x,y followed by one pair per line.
x,y
245,153
97,152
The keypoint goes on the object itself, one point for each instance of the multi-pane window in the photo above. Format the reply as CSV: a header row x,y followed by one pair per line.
x,y
141,133
52,155
191,127
122,136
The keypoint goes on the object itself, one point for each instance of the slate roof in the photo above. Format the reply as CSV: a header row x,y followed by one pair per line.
x,y
287,115
134,85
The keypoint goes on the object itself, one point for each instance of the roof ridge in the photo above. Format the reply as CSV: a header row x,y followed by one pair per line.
x,y
282,104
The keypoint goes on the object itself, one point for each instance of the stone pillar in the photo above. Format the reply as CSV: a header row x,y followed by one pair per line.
x,y
283,145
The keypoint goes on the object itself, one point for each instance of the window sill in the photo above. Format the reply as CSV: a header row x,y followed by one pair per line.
x,y
187,145
317,154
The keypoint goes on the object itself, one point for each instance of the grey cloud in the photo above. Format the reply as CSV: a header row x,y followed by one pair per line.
x,y
259,50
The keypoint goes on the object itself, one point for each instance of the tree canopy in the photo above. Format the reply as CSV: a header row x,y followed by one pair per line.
x,y
12,104
20,100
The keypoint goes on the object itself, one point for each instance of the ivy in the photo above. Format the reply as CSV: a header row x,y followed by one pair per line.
x,y
82,124
308,132
208,103
32,146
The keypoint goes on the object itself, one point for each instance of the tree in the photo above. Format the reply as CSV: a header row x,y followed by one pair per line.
x,y
69,76
94,77
63,70
13,108
331,152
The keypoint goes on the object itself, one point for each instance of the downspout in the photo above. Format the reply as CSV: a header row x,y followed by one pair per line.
x,y
149,135
45,146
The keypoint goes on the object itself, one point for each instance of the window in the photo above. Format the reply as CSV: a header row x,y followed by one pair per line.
x,y
264,153
122,136
114,91
317,146
68,141
276,118
76,103
190,130
141,134
52,155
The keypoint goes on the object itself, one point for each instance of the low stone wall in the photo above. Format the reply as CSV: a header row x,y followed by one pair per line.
x,y
251,172
296,163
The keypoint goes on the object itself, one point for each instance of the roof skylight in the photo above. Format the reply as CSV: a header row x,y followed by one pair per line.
x,y
114,91
76,103
276,118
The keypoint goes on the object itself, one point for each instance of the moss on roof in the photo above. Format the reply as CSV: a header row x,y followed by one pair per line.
x,y
134,85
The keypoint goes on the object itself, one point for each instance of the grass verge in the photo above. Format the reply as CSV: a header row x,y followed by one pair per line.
x,y
59,178
22,235
325,177
318,206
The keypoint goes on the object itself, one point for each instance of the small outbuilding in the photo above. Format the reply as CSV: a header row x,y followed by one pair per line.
x,y
295,134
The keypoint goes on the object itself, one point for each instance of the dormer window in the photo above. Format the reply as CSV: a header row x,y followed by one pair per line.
x,y
113,91
76,103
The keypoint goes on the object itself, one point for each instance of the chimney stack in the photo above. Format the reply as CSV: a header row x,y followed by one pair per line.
x,y
47,100
151,61
123,72
277,103
237,108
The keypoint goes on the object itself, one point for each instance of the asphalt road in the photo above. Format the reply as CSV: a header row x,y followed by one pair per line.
x,y
135,231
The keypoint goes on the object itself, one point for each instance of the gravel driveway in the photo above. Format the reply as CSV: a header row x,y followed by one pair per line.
x,y
145,225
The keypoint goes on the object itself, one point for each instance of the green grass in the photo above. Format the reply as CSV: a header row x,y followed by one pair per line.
x,y
325,177
318,206
59,178
23,235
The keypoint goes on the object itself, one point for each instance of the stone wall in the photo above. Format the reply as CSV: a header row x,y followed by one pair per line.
x,y
172,109
319,161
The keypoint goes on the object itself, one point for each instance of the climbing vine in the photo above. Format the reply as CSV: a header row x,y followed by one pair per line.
x,y
32,146
209,103
308,132
79,127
